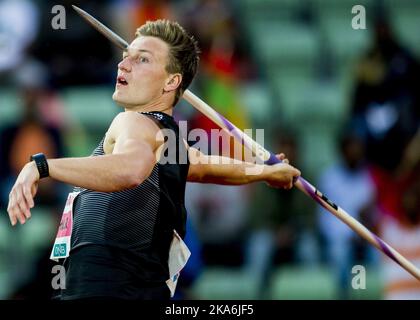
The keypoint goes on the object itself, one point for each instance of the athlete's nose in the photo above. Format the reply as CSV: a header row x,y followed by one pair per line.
x,y
124,65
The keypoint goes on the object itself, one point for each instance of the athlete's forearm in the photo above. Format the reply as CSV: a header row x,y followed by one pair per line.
x,y
106,173
222,170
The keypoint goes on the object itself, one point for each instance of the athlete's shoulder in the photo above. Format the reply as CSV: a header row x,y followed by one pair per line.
x,y
132,125
133,118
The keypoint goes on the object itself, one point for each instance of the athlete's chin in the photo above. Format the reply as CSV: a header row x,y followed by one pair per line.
x,y
124,101
119,98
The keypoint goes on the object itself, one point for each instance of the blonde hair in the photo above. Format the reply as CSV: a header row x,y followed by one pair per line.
x,y
183,50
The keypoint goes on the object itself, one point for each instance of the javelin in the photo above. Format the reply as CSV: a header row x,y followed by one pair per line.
x,y
269,158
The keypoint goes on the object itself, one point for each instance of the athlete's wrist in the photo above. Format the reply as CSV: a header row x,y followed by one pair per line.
x,y
31,166
41,165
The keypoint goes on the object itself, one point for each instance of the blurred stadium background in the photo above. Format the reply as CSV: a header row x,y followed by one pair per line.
x,y
343,104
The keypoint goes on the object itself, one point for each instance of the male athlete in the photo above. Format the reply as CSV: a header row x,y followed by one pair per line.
x,y
127,204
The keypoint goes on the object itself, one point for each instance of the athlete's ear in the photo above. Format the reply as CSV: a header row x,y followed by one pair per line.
x,y
173,82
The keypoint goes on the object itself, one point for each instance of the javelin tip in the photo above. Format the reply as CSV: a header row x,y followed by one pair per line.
x,y
112,36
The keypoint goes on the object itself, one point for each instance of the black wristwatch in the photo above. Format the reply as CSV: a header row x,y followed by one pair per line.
x,y
41,164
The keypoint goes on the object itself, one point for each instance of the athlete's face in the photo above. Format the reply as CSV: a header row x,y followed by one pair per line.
x,y
142,77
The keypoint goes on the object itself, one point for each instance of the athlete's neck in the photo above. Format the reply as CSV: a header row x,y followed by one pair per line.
x,y
162,107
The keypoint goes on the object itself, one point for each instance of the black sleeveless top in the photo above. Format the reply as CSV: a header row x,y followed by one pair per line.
x,y
120,240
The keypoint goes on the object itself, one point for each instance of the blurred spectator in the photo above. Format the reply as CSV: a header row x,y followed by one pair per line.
x,y
386,106
78,54
224,65
403,234
348,183
386,112
128,15
206,19
411,156
218,215
278,218
19,24
225,61
39,130
144,10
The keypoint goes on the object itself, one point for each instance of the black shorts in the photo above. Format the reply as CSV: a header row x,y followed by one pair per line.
x,y
100,272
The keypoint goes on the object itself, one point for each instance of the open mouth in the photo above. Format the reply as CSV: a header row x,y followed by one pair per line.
x,y
121,80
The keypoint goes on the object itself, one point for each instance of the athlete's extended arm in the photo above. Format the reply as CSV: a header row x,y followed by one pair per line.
x,y
130,163
212,169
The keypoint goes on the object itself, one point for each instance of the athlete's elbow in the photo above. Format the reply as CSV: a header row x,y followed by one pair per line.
x,y
130,179
137,174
